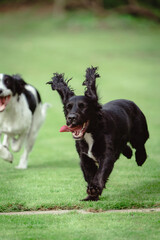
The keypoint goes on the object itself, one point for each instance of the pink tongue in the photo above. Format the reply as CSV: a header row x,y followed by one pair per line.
x,y
65,129
69,129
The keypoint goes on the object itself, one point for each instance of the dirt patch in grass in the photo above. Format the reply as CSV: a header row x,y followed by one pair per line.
x,y
60,211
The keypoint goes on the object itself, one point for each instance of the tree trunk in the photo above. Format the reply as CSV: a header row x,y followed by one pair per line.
x,y
59,6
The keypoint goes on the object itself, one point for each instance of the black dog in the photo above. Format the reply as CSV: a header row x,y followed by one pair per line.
x,y
101,132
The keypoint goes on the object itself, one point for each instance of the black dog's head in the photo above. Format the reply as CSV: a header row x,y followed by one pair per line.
x,y
80,111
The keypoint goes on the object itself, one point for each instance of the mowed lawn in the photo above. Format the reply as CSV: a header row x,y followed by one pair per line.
x,y
74,226
36,44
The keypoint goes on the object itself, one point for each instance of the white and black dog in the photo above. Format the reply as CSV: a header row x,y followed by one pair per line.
x,y
21,115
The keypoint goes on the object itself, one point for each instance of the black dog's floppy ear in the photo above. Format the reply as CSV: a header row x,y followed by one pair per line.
x,y
90,83
60,84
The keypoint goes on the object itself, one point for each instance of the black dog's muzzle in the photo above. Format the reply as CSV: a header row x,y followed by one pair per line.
x,y
72,119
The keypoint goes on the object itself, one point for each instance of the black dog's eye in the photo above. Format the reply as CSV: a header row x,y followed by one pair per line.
x,y
81,105
69,106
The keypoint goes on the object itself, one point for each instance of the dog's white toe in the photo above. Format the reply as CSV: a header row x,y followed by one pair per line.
x,y
20,166
5,154
10,159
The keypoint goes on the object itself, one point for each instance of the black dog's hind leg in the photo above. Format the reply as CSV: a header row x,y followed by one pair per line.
x,y
139,136
89,170
141,155
127,152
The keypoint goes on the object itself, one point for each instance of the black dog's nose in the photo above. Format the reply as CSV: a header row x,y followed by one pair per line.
x,y
71,118
1,90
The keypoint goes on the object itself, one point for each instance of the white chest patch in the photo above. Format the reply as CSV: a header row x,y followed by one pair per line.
x,y
89,140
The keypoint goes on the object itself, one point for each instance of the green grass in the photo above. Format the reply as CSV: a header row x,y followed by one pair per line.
x,y
75,226
128,54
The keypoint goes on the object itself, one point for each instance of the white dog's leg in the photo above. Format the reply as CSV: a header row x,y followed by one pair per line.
x,y
38,119
6,139
27,149
23,160
17,143
5,154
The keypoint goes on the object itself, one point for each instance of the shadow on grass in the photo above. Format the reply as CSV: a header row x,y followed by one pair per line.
x,y
135,197
55,164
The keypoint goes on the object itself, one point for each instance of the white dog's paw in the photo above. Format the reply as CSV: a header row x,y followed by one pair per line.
x,y
20,166
9,158
6,155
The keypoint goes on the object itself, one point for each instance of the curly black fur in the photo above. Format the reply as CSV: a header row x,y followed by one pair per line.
x,y
61,85
110,128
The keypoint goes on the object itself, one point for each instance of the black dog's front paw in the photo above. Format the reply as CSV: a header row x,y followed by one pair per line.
x,y
91,198
94,191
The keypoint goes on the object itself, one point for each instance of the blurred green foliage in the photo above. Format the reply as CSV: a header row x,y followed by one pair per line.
x,y
104,3
115,3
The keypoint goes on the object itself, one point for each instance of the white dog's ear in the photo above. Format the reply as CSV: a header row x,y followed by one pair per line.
x,y
60,84
90,83
19,84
